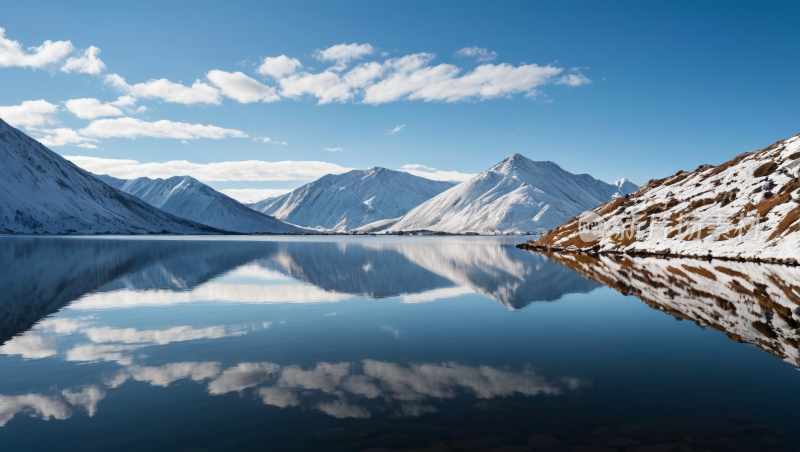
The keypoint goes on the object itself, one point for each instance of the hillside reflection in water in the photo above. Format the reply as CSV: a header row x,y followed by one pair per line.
x,y
386,344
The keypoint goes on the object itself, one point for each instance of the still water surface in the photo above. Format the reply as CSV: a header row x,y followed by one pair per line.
x,y
339,343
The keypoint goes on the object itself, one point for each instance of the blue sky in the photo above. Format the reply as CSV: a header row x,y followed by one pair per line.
x,y
614,89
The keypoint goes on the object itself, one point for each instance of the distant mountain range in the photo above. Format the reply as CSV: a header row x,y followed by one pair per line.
x,y
347,201
43,192
189,198
40,191
517,195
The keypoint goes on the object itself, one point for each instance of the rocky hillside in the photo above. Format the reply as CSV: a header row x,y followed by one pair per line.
x,y
746,208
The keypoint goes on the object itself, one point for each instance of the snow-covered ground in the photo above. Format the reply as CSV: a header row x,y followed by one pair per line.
x,y
347,201
518,195
753,303
745,208
189,198
40,191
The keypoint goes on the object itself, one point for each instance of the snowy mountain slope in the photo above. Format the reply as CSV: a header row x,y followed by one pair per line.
x,y
752,303
189,198
515,196
41,191
353,199
745,208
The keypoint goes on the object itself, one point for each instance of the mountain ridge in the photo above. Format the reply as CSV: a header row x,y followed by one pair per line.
x,y
516,195
186,197
346,201
40,191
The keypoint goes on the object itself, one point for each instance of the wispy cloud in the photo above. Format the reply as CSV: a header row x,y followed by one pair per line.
x,y
88,63
269,140
135,128
396,129
12,53
434,174
251,170
482,54
198,93
333,149
242,88
254,194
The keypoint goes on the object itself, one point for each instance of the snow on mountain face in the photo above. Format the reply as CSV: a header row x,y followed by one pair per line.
x,y
40,191
353,199
517,195
189,198
743,208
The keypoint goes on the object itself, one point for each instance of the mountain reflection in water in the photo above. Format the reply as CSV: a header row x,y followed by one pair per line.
x,y
380,344
41,275
758,304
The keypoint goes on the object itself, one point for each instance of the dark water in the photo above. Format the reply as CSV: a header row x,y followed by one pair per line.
x,y
389,344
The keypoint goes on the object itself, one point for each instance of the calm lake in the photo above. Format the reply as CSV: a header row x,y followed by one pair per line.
x,y
389,343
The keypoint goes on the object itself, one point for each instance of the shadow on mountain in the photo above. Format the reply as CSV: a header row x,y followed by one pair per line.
x,y
757,304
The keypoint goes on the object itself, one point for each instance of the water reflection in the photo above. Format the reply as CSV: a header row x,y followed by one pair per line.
x,y
342,390
758,304
41,275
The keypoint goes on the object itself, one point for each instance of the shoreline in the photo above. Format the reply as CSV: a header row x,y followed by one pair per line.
x,y
662,255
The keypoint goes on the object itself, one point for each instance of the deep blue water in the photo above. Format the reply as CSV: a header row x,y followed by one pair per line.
x,y
339,343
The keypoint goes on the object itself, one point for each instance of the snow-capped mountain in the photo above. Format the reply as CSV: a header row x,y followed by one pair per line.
x,y
517,195
353,199
40,191
745,208
189,198
751,303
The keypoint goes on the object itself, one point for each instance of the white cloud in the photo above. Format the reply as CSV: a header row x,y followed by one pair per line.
x,y
339,149
87,398
434,174
38,405
12,53
341,54
31,113
166,374
87,146
396,129
278,67
482,54
574,80
29,345
242,88
133,128
88,63
279,397
124,101
61,136
141,110
242,376
269,140
184,142
91,108
254,194
251,170
198,93
93,352
177,334
412,80
437,294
